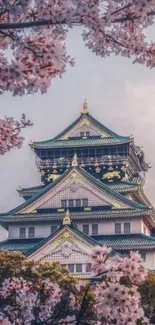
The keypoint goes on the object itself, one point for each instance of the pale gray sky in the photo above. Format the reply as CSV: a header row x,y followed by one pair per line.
x,y
120,94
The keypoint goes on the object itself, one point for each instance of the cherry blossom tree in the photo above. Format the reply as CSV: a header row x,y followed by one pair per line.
x,y
10,133
33,35
116,300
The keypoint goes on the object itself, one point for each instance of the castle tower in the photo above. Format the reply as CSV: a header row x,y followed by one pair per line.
x,y
90,193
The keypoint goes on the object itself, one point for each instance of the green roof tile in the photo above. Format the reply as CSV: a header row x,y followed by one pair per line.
x,y
126,241
92,179
77,142
113,138
22,245
117,242
101,214
122,186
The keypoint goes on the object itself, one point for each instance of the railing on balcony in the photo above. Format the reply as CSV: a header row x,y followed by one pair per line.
x,y
91,161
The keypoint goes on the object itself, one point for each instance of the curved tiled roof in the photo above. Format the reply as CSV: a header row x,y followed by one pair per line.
x,y
22,245
90,178
120,187
78,215
29,191
113,138
124,186
78,142
123,242
117,242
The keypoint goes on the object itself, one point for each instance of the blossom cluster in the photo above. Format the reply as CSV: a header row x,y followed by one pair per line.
x,y
10,133
113,289
33,33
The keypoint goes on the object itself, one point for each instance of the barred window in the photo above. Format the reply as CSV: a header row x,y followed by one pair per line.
x,y
31,232
78,203
70,203
22,232
71,268
64,203
85,202
78,268
87,134
86,229
88,267
127,227
118,228
81,134
95,229
53,229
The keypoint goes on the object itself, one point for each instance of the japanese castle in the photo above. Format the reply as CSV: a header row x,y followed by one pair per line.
x,y
91,193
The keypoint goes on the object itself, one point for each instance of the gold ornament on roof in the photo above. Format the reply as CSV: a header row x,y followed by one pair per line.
x,y
75,161
85,107
66,219
111,175
118,205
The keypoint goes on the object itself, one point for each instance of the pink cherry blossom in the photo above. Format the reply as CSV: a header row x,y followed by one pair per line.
x,y
116,298
35,31
10,133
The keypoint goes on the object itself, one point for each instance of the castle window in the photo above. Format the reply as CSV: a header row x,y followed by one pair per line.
x,y
22,232
78,203
95,229
87,134
127,227
143,256
64,203
53,229
71,268
86,229
88,267
117,228
70,203
31,232
85,202
78,268
81,134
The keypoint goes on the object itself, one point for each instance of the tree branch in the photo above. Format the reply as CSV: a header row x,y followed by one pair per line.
x,y
49,22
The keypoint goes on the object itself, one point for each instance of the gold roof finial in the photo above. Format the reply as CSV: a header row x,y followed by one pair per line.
x,y
66,219
75,161
85,107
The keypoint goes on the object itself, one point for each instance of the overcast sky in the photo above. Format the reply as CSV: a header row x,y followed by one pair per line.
x,y
120,94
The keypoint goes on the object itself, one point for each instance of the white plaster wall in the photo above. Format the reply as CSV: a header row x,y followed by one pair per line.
x,y
41,231
150,260
148,232
108,227
104,227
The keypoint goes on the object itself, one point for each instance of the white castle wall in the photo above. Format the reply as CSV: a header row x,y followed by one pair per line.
x,y
104,228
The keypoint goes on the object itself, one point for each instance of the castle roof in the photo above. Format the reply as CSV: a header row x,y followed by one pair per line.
x,y
123,242
121,187
117,242
65,139
119,199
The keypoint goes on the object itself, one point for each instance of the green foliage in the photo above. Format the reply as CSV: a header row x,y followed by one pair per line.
x,y
15,264
147,291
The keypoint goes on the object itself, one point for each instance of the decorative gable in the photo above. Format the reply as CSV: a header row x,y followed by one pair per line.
x,y
65,247
84,128
75,185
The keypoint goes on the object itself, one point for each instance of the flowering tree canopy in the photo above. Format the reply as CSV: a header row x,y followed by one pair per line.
x,y
10,133
116,300
33,34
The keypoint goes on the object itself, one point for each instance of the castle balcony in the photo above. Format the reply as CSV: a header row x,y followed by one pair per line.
x,y
82,162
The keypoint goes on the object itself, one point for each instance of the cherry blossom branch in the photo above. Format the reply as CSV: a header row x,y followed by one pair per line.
x,y
10,133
